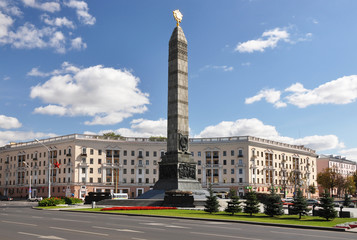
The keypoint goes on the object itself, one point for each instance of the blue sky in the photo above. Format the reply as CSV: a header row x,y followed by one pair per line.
x,y
282,70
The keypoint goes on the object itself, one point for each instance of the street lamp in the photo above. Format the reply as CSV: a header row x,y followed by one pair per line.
x,y
30,190
49,168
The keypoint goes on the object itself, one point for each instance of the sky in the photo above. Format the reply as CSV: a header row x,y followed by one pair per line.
x,y
280,70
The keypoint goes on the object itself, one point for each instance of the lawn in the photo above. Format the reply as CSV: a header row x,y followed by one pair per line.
x,y
284,219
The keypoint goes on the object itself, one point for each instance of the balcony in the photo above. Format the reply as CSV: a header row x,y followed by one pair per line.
x,y
213,165
140,165
240,155
140,157
35,158
83,154
240,165
68,154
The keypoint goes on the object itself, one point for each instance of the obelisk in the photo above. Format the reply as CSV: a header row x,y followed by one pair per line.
x,y
177,170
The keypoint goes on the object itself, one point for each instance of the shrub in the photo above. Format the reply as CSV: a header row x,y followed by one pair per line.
x,y
72,200
53,201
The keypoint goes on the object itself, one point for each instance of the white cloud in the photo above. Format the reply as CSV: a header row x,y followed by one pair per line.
x,y
108,95
143,128
224,68
9,122
8,7
340,91
29,35
78,44
351,154
246,64
58,22
5,23
270,95
82,11
255,127
51,6
65,68
269,39
19,136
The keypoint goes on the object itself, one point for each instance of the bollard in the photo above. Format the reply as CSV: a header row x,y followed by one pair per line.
x,y
93,204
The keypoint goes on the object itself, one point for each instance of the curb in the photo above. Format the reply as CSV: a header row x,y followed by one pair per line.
x,y
220,220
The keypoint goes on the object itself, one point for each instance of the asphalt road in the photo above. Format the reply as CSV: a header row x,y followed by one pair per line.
x,y
19,221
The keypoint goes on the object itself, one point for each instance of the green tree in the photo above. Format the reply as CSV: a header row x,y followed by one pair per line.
x,y
350,186
212,204
273,204
158,139
327,210
346,200
299,204
112,135
312,189
234,204
251,203
328,178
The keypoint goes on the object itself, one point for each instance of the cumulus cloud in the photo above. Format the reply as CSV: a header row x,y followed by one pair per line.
x,y
108,95
255,127
65,68
78,44
270,95
82,11
9,122
269,39
20,136
340,91
55,32
50,6
351,154
143,128
58,22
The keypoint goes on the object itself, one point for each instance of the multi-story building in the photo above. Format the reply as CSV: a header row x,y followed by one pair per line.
x,y
338,164
85,163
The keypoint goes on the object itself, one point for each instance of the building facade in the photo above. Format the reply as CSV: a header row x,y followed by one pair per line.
x,y
86,163
339,164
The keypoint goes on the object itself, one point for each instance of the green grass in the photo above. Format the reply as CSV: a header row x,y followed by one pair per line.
x,y
284,219
52,207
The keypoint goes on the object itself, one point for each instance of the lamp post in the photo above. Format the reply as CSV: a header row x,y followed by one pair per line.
x,y
30,190
49,168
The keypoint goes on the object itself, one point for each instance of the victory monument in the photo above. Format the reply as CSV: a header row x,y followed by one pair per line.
x,y
177,170
177,182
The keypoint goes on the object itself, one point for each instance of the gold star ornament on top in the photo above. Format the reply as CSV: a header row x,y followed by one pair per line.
x,y
178,16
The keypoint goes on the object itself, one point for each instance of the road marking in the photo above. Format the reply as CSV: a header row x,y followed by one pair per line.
x,y
309,235
165,225
42,236
20,223
69,220
4,214
118,229
36,217
79,231
225,236
138,238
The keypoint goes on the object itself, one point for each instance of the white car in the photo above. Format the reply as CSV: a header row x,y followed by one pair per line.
x,y
34,199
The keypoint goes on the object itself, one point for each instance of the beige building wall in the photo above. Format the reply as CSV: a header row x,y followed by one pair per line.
x,y
95,163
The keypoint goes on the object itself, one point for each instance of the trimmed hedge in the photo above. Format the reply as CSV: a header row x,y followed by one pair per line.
x,y
54,201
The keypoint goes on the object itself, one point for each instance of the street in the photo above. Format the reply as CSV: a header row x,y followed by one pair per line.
x,y
20,221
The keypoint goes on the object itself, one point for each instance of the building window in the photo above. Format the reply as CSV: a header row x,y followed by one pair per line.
x,y
83,170
99,170
224,171
224,153
124,171
99,153
232,180
155,153
199,154
140,171
199,171
99,161
125,162
232,171
99,180
91,151
232,162
147,162
91,161
91,170
91,180
224,162
125,153
154,171
147,153
240,180
232,152
147,171
240,170
132,171
199,163
132,153
132,162
131,180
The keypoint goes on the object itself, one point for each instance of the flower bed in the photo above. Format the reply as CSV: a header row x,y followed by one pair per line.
x,y
136,208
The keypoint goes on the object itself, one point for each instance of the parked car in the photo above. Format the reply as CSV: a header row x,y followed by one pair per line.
x,y
34,199
312,202
6,198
